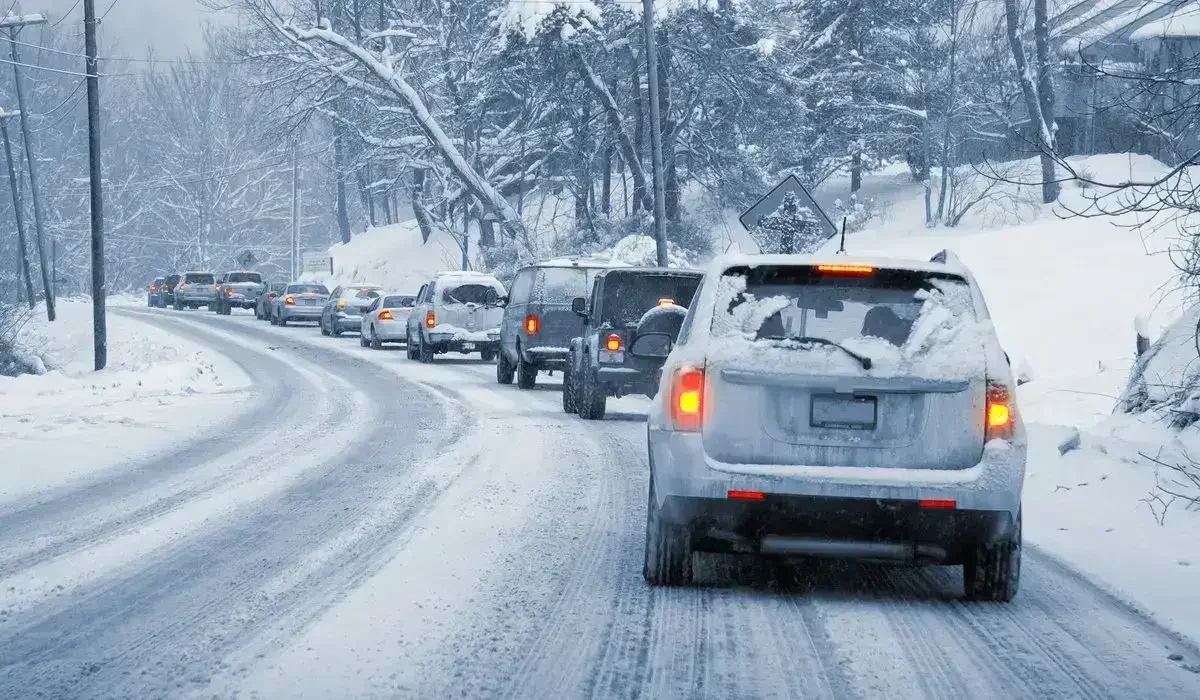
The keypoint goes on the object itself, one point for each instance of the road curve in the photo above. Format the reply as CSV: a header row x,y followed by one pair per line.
x,y
473,541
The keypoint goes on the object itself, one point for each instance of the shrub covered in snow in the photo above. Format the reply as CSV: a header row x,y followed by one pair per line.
x,y
1165,381
12,360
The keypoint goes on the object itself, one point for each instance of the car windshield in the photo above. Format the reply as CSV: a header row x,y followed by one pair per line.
x,y
198,278
278,286
366,293
235,277
307,289
559,285
629,295
780,303
471,293
399,302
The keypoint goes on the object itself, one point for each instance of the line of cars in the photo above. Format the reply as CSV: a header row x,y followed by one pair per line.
x,y
807,407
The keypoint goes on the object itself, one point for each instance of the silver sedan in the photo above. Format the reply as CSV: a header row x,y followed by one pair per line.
x,y
298,302
386,319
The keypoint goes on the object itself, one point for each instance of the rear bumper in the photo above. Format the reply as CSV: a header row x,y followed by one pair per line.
x,y
626,380
547,357
683,470
391,330
344,322
300,313
186,298
240,302
441,342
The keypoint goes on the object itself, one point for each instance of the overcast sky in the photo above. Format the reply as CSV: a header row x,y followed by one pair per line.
x,y
134,26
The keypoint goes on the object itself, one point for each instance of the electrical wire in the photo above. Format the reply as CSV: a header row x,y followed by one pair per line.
x,y
169,61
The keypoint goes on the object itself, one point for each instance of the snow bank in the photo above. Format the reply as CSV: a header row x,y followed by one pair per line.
x,y
393,256
641,251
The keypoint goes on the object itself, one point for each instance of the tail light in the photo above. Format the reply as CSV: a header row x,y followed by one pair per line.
x,y
341,305
290,301
937,504
181,286
666,302
532,324
747,495
271,295
154,287
687,399
999,420
846,270
613,343
430,319
229,291
385,315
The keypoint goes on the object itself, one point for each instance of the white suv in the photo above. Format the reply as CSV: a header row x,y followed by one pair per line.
x,y
830,407
456,312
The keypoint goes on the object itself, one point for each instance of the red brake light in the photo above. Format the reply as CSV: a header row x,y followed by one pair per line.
x,y
999,419
687,399
181,285
847,270
229,291
747,495
937,503
430,319
154,287
532,324
290,301
385,315
271,295
613,343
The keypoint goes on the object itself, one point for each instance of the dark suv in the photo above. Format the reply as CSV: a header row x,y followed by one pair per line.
x,y
600,364
166,295
538,322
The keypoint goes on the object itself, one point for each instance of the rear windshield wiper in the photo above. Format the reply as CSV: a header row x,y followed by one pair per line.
x,y
862,359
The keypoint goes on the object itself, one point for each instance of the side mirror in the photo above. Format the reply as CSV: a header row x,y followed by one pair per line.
x,y
579,306
652,346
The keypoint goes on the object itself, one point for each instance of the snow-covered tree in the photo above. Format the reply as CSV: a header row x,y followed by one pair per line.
x,y
792,228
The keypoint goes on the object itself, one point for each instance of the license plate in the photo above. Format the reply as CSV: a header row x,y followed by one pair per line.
x,y
844,412
468,346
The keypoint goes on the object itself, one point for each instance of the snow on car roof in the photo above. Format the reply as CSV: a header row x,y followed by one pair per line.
x,y
724,262
465,276
579,262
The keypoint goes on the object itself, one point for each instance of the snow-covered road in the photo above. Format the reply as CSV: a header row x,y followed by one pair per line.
x,y
374,527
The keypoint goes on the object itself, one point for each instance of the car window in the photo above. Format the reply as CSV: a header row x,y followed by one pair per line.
x,y
278,286
235,277
306,289
199,278
366,293
522,286
470,293
627,296
559,285
782,303
399,302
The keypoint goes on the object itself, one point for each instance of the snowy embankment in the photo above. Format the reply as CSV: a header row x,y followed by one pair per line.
x,y
71,423
1064,293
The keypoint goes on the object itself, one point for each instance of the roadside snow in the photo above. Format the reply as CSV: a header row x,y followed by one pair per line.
x,y
72,422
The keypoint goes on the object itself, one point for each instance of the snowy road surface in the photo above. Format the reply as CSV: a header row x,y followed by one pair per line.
x,y
371,527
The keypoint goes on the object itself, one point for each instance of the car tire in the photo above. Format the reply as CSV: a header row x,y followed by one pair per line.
x,y
526,373
274,321
992,572
504,369
282,322
321,323
591,401
424,352
569,402
362,340
410,348
333,328
668,553
487,355
376,342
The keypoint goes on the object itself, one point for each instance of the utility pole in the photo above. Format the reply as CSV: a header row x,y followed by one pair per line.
x,y
17,209
14,23
660,204
99,286
295,213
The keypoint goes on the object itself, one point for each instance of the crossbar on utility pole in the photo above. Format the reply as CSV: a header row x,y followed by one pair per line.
x,y
18,210
99,286
14,23
660,205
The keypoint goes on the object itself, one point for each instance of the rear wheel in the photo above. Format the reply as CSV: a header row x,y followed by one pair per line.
x,y
321,323
487,355
362,340
410,348
668,555
376,342
504,369
993,572
424,352
526,373
591,401
333,328
569,402
282,321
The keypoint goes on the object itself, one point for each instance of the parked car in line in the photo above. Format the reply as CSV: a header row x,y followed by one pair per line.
x,y
343,310
262,302
166,296
238,289
600,365
194,290
299,301
155,293
456,312
832,407
538,322
386,320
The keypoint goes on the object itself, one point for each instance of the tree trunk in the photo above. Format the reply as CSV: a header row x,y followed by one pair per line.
x,y
420,213
855,171
1043,136
609,104
583,173
634,157
669,131
948,116
343,215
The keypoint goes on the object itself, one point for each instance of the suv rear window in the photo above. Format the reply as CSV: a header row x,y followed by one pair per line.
x,y
886,315
559,285
233,277
198,278
628,296
467,294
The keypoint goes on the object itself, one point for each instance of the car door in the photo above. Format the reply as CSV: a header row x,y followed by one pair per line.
x,y
417,317
327,310
368,313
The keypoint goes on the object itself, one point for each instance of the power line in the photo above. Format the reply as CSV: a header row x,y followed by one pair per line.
x,y
169,61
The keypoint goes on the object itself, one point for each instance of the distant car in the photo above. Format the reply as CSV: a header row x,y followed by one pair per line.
x,y
155,293
167,291
386,320
238,290
600,365
343,310
538,322
299,301
456,312
833,407
262,302
194,290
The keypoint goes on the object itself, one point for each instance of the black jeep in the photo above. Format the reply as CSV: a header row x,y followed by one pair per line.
x,y
600,364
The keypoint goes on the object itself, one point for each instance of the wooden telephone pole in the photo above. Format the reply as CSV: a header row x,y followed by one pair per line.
x,y
99,285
